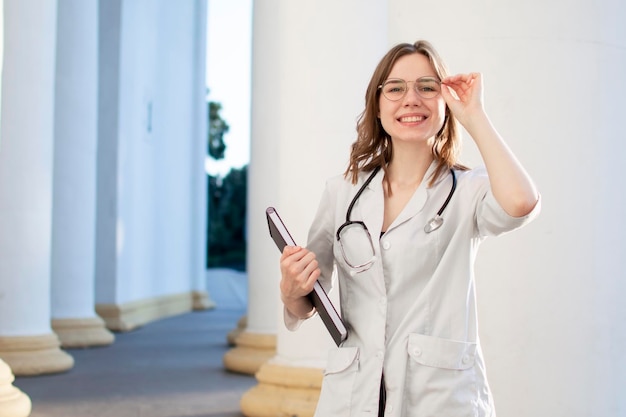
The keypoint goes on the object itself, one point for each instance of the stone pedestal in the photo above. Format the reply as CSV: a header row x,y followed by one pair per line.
x,y
252,350
34,355
283,391
241,326
200,300
13,402
81,333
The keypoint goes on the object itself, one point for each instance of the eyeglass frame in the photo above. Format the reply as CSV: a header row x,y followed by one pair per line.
x,y
406,84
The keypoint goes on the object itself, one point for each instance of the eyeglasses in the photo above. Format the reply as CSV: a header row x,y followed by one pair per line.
x,y
395,89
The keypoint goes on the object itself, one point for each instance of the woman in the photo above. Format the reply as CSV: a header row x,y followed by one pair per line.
x,y
402,226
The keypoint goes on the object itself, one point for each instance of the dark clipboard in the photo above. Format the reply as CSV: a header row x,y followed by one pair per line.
x,y
319,298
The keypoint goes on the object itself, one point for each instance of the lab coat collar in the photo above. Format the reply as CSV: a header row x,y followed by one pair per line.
x,y
372,203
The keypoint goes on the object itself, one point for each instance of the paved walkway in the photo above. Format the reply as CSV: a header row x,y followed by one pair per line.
x,y
169,368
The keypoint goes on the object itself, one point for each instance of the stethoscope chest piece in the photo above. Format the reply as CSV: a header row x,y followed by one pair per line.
x,y
433,224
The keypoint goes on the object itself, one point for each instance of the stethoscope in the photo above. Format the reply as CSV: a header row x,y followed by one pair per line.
x,y
432,225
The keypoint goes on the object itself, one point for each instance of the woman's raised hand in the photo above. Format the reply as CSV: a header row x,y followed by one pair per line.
x,y
463,94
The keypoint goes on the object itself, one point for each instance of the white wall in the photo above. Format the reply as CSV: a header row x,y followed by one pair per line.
x,y
552,326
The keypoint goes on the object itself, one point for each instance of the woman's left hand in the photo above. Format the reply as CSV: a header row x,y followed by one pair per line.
x,y
463,94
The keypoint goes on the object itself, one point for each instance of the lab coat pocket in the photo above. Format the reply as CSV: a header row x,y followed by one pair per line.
x,y
339,375
442,379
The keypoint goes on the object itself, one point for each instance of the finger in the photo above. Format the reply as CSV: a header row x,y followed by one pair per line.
x,y
449,95
457,78
462,85
299,277
462,92
310,274
310,268
454,79
288,250
294,265
294,253
314,277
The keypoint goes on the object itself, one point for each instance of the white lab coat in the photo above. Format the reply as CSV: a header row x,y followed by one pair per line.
x,y
412,314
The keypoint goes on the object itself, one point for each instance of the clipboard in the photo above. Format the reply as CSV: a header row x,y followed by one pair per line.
x,y
331,319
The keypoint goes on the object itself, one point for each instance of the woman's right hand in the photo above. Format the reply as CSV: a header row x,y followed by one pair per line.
x,y
299,271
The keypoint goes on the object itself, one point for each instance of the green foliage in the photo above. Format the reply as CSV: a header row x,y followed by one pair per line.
x,y
227,220
216,130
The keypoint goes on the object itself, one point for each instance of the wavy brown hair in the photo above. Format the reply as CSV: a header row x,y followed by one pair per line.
x,y
373,147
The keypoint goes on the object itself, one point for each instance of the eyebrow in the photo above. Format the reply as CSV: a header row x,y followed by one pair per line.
x,y
424,78
430,78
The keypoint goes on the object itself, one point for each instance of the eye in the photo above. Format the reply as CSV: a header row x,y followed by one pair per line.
x,y
394,87
428,86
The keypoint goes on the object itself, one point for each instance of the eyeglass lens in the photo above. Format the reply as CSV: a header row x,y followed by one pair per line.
x,y
426,87
356,245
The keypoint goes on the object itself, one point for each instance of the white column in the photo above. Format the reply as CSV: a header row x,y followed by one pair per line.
x,y
13,402
27,343
311,65
553,320
201,297
74,200
150,168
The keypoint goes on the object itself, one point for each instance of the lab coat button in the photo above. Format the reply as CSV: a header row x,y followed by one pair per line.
x,y
417,352
386,245
467,359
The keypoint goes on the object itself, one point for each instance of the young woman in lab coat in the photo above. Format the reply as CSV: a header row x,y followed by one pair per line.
x,y
402,226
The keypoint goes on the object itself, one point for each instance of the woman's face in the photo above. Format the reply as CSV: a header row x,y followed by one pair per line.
x,y
412,118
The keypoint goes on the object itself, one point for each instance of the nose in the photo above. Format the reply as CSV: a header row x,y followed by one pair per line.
x,y
412,97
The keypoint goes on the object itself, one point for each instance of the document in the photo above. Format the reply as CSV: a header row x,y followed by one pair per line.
x,y
319,298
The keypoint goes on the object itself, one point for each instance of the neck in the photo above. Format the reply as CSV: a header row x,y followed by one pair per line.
x,y
409,165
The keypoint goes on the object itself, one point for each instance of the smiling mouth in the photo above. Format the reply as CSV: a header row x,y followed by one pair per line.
x,y
412,119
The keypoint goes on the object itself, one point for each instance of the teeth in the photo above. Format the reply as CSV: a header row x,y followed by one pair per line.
x,y
412,119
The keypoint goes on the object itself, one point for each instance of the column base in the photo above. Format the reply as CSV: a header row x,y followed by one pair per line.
x,y
13,402
233,334
201,300
129,316
34,355
82,333
251,351
283,391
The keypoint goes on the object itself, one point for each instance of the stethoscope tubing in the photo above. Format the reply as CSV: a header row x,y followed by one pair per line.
x,y
438,220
